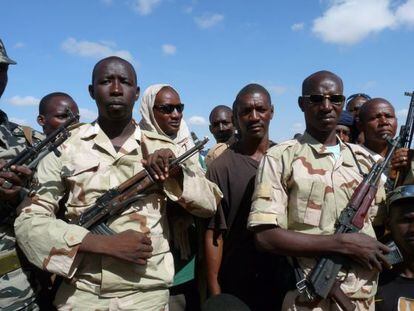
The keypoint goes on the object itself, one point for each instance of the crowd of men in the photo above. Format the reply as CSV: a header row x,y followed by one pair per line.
x,y
238,229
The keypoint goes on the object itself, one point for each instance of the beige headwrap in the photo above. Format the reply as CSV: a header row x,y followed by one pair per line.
x,y
148,122
179,223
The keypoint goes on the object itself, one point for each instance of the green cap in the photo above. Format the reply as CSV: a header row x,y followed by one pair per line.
x,y
4,59
402,192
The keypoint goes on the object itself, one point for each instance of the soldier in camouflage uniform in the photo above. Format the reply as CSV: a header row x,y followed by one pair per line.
x,y
301,188
16,292
132,269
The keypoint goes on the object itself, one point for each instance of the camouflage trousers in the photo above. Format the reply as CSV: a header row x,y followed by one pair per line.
x,y
70,298
293,302
16,292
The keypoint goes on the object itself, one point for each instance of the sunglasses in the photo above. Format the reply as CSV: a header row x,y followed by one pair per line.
x,y
169,108
336,99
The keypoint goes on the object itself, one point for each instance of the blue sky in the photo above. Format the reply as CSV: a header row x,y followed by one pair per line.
x,y
208,50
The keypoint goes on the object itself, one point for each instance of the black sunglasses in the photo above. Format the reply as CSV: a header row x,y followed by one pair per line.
x,y
335,99
169,108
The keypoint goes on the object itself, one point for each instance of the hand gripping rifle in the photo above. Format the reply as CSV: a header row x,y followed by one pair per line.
x,y
116,200
33,154
321,282
406,134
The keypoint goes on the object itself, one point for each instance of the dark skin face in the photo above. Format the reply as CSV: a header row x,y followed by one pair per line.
x,y
3,77
56,113
377,120
344,133
321,118
115,90
168,122
355,104
221,125
254,113
402,226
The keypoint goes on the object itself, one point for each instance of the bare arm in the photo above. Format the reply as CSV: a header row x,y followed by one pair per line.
x,y
129,245
362,248
213,250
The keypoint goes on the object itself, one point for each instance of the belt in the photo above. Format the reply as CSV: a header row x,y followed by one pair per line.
x,y
9,262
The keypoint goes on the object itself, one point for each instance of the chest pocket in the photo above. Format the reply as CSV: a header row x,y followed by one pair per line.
x,y
309,203
84,182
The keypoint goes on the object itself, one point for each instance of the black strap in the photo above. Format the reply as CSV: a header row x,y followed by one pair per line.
x,y
355,159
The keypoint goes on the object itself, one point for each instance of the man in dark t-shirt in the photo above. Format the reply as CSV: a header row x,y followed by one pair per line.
x,y
234,266
396,287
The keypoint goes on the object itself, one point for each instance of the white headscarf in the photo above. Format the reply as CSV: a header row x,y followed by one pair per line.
x,y
148,122
179,223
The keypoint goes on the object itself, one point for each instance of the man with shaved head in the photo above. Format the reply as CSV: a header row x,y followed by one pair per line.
x,y
377,121
53,111
221,123
133,268
222,128
301,189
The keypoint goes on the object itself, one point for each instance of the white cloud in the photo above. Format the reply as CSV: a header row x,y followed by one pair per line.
x,y
208,20
405,13
19,121
297,26
94,49
169,49
402,113
145,7
197,120
87,114
277,89
23,101
348,22
19,45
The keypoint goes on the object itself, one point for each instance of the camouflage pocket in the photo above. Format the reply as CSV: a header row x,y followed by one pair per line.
x,y
310,198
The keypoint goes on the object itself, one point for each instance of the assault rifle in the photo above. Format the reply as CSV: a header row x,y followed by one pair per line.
x,y
33,154
116,200
321,282
406,134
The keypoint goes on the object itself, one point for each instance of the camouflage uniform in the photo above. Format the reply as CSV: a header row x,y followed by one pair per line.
x,y
300,187
88,166
16,292
217,150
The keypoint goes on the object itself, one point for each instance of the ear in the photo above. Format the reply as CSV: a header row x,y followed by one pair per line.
x,y
210,127
137,93
91,93
41,120
272,110
300,103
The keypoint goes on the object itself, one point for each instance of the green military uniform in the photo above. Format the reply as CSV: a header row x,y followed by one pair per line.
x,y
16,292
89,166
300,186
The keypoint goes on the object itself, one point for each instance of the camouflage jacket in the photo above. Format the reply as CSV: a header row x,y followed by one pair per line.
x,y
15,290
88,167
300,187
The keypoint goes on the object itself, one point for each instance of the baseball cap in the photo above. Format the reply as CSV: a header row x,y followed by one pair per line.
x,y
399,193
3,55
